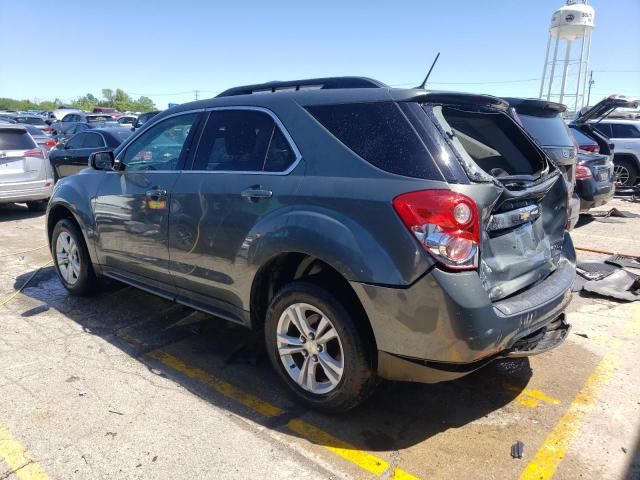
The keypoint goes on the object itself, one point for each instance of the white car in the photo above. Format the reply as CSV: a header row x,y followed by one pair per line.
x,y
26,176
625,135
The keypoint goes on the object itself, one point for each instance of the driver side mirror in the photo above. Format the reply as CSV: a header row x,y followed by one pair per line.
x,y
102,160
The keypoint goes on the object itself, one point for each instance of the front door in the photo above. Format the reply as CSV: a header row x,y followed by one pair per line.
x,y
132,204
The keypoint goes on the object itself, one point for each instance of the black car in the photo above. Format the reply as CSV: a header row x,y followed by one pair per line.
x,y
543,121
595,179
144,118
72,156
366,231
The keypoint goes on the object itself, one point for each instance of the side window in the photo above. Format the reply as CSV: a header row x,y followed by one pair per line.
x,y
92,140
624,131
162,146
604,129
77,141
243,140
68,118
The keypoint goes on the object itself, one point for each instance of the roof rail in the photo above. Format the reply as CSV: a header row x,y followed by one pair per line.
x,y
308,84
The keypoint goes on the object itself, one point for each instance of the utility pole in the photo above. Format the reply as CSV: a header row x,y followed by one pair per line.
x,y
197,94
591,82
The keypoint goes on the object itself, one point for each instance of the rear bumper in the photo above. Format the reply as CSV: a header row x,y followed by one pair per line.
x,y
445,326
591,195
26,191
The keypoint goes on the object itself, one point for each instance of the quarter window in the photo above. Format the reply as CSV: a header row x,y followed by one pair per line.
x,y
92,140
243,140
162,147
620,130
77,141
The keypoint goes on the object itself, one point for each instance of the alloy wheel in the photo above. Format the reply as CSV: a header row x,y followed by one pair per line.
x,y
621,174
310,348
68,258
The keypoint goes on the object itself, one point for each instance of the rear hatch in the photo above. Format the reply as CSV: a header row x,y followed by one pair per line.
x,y
521,197
20,158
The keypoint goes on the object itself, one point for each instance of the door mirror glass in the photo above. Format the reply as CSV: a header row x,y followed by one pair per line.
x,y
101,160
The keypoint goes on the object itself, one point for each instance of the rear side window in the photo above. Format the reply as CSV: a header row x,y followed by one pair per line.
x,y
92,140
548,130
16,140
243,140
380,134
620,130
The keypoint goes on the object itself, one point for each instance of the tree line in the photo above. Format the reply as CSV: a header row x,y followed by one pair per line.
x,y
117,98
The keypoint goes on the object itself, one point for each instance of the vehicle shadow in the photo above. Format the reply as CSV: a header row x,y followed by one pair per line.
x,y
12,211
398,416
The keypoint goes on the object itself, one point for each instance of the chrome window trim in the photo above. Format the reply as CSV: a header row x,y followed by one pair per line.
x,y
278,123
148,125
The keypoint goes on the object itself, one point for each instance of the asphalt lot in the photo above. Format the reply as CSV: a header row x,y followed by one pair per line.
x,y
127,385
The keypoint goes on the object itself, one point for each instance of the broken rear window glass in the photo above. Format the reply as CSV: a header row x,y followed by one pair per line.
x,y
491,141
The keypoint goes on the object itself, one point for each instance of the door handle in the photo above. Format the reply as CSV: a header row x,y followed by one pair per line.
x,y
256,193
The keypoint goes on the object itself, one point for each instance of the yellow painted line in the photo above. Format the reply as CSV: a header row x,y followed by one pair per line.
x,y
225,388
554,448
24,251
23,465
15,294
531,398
362,459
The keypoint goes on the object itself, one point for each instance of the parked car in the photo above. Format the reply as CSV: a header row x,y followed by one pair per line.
x,y
108,111
543,121
144,118
7,118
625,135
127,120
72,156
34,120
25,173
44,140
595,180
60,113
625,157
368,231
72,119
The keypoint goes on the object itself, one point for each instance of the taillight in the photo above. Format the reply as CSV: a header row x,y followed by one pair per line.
x,y
590,148
583,173
445,223
50,143
46,129
35,153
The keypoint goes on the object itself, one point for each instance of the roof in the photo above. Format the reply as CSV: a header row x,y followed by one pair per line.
x,y
12,126
624,121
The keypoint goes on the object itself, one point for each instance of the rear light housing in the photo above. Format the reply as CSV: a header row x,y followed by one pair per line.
x,y
50,143
445,223
583,173
590,148
35,153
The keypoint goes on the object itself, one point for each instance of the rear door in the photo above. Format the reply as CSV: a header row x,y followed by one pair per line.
x,y
20,158
242,172
132,204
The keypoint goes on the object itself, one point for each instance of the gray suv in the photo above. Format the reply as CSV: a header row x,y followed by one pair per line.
x,y
369,232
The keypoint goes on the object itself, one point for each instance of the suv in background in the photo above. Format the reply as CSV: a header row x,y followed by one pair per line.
x,y
625,158
625,135
143,118
367,231
25,173
543,121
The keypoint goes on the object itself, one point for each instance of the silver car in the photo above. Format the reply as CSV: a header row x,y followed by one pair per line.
x,y
26,175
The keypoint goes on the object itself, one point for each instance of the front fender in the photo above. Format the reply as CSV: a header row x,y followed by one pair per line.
x,y
75,194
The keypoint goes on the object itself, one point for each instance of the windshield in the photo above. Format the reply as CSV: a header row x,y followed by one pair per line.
x,y
547,129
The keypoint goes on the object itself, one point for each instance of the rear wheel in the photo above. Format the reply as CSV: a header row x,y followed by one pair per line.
x,y
316,347
71,258
625,171
37,206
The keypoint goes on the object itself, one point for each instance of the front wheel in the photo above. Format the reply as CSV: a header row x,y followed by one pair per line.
x,y
71,258
625,172
316,347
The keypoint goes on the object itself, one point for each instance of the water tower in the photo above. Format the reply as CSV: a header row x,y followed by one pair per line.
x,y
564,75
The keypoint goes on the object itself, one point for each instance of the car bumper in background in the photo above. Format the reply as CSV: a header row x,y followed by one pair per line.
x,y
26,191
445,326
592,195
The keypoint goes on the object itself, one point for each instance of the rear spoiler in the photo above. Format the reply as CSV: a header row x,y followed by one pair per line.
x,y
454,98
524,105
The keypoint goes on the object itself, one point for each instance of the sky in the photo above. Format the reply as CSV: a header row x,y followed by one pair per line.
x,y
168,49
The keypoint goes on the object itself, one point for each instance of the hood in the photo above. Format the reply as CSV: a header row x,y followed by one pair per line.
x,y
603,108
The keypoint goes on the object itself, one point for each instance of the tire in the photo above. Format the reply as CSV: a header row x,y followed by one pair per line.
x,y
37,206
627,170
349,349
81,280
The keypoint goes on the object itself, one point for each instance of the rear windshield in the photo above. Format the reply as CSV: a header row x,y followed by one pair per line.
x,y
548,130
99,118
30,120
16,140
581,138
492,140
380,134
120,134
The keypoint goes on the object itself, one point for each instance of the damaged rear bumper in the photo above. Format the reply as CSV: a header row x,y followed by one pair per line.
x,y
445,326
